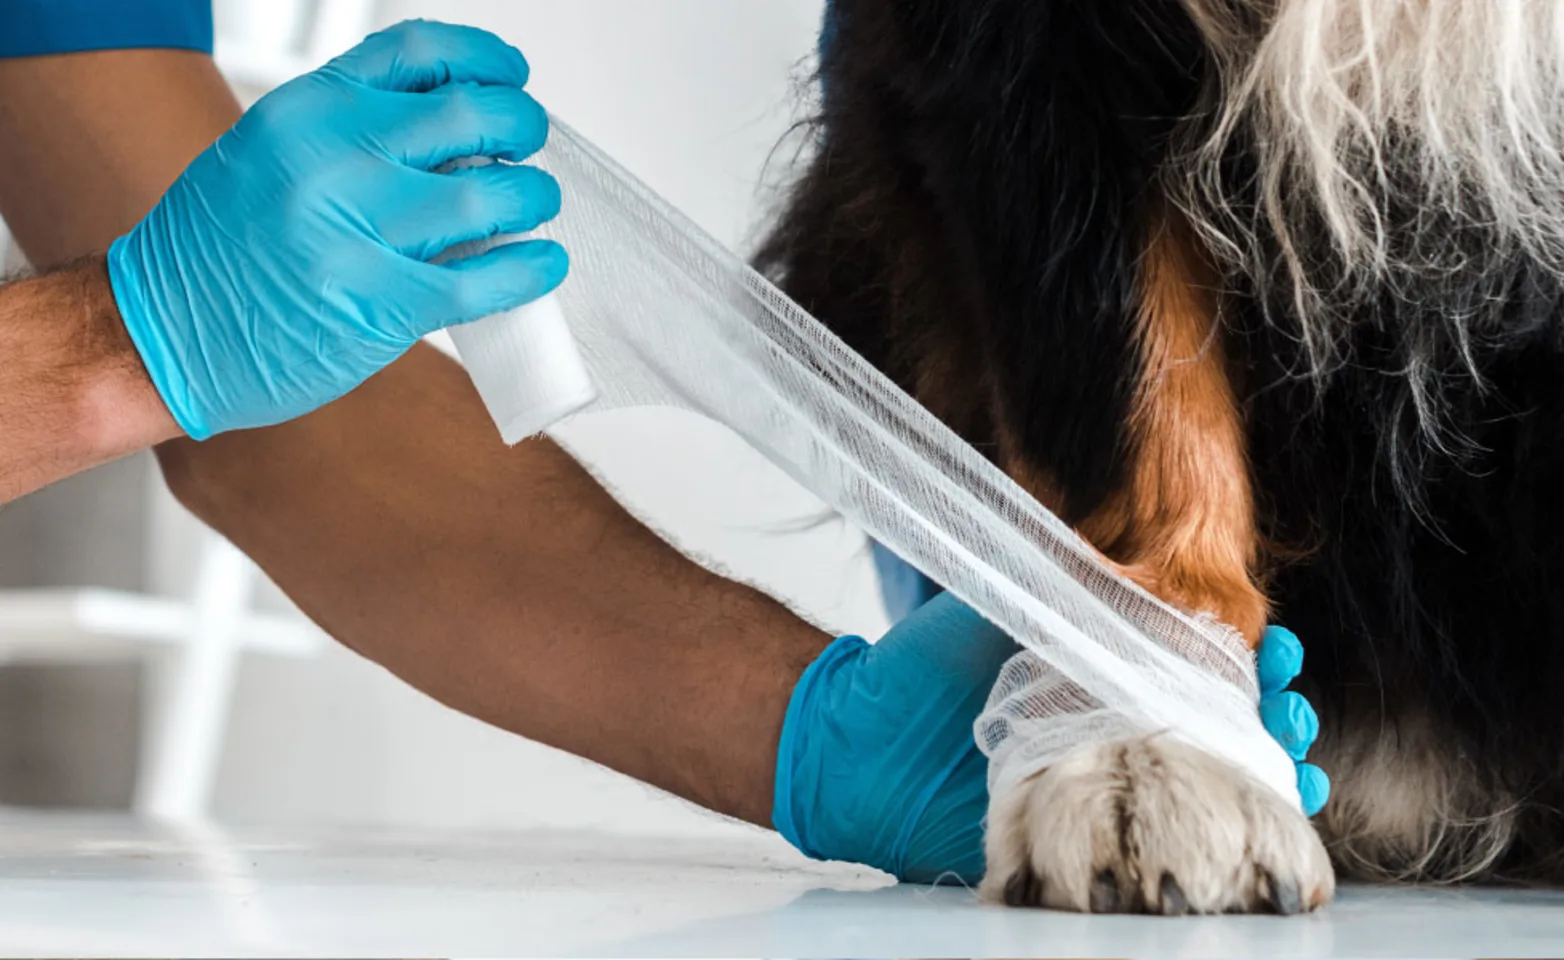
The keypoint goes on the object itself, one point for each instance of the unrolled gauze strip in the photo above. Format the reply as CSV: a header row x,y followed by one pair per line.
x,y
663,315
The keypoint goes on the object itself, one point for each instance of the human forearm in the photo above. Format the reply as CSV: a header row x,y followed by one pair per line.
x,y
90,141
73,392
507,584
503,582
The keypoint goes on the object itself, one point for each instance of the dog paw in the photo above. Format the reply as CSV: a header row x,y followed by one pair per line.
x,y
1152,825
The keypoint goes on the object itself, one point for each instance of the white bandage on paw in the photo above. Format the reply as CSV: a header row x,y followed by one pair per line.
x,y
665,316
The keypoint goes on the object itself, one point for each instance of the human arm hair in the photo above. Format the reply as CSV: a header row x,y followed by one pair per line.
x,y
506,583
503,582
73,391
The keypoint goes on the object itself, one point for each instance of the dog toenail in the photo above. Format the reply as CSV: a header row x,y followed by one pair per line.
x,y
1174,904
1105,893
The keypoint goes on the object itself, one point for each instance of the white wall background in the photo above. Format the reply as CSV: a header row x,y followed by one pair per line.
x,y
691,95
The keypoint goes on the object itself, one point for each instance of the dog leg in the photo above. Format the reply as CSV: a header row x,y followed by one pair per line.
x,y
1151,824
1183,526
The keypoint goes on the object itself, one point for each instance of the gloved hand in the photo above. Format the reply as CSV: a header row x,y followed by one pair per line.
x,y
290,262
877,762
1287,715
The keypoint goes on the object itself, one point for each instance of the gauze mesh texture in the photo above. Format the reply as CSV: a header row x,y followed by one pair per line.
x,y
666,316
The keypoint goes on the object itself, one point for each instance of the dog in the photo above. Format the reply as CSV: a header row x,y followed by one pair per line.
x,y
1266,299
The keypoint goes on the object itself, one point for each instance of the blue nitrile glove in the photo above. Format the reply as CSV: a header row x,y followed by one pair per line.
x,y
290,262
877,762
1287,715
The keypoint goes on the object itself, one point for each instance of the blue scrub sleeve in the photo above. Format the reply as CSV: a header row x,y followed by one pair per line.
x,y
35,27
903,588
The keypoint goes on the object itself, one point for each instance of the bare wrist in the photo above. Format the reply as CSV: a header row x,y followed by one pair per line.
x,y
118,410
73,393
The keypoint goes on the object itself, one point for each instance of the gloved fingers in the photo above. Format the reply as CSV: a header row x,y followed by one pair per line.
x,y
1291,720
1313,788
465,120
504,278
467,205
419,55
1279,661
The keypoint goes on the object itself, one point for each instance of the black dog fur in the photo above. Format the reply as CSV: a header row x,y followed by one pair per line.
x,y
972,223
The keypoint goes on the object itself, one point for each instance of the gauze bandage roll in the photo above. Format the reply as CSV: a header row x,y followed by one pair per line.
x,y
664,316
525,362
527,368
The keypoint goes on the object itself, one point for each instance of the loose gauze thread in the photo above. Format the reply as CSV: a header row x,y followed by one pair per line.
x,y
662,315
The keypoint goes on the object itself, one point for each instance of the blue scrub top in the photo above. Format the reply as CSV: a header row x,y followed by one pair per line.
x,y
903,588
33,27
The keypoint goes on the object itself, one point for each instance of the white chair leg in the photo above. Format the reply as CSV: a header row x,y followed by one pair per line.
x,y
194,689
195,695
